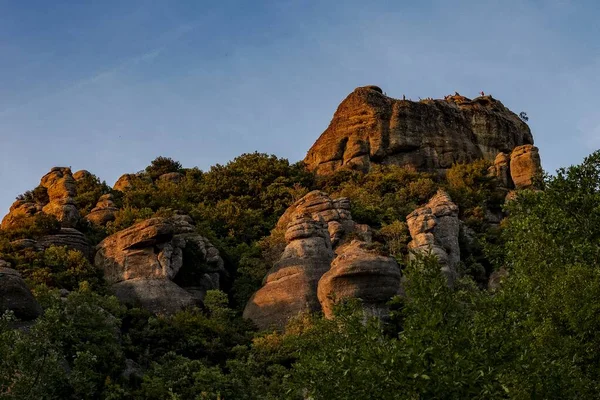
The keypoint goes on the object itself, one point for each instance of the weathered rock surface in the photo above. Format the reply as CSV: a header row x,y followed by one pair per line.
x,y
163,249
69,237
15,295
358,272
160,296
435,228
62,191
525,165
104,212
124,183
318,227
290,287
18,210
371,128
81,174
519,169
334,212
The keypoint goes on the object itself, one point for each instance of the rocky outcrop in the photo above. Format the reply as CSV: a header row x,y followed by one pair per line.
x,y
69,237
290,287
371,128
318,229
525,166
62,191
104,212
334,212
124,183
519,169
361,273
19,210
15,296
434,228
163,249
81,175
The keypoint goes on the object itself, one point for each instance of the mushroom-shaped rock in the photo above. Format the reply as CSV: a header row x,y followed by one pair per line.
x,y
162,249
15,296
60,184
358,272
525,166
290,287
371,128
104,212
435,228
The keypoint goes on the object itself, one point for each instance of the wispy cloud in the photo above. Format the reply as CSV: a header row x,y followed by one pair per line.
x,y
167,39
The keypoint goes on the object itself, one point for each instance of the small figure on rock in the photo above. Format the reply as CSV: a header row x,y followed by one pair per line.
x,y
481,93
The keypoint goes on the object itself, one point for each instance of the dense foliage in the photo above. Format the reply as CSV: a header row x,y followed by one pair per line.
x,y
535,336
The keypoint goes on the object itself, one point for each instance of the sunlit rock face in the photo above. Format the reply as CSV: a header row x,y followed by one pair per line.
x,y
327,257
430,135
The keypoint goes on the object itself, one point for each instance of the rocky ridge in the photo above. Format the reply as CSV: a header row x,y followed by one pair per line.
x,y
429,135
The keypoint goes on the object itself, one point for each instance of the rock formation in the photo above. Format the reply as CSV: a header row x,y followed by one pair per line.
x,y
290,287
369,127
15,295
59,185
69,237
81,174
318,229
519,169
166,251
435,228
104,212
62,191
124,183
174,177
358,272
525,165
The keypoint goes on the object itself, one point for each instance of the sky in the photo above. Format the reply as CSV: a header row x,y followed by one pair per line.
x,y
109,86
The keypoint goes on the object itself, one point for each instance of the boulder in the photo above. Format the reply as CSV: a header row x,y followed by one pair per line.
x,y
162,249
525,166
82,174
160,296
15,296
124,183
434,228
290,287
104,212
372,128
358,272
19,210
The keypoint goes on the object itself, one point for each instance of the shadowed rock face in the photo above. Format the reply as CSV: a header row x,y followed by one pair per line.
x,y
165,250
369,127
15,295
435,228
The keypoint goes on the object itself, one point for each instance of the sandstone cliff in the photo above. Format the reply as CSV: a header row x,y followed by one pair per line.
x,y
369,127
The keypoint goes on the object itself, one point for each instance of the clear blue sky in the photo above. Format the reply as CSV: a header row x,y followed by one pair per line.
x,y
109,85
